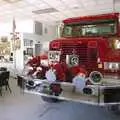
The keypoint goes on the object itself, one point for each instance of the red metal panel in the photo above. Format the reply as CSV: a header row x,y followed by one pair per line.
x,y
92,17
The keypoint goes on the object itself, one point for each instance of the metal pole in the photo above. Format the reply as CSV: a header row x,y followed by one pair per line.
x,y
14,38
114,6
14,51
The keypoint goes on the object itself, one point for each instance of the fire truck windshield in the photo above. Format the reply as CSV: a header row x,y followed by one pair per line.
x,y
90,28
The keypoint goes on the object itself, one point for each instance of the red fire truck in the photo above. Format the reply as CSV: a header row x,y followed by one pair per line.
x,y
92,42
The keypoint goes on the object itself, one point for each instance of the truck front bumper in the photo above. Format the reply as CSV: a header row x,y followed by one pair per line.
x,y
106,94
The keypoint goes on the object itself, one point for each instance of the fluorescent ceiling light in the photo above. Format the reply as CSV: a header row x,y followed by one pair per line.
x,y
43,11
12,1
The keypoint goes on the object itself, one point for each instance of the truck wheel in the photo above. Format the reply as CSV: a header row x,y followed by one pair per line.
x,y
115,109
49,99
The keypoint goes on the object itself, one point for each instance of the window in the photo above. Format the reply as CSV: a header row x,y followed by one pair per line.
x,y
98,28
28,42
29,51
68,31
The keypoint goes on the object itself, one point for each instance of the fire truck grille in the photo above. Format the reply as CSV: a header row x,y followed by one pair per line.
x,y
80,50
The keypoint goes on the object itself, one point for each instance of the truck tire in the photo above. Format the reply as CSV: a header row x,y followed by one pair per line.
x,y
49,99
115,109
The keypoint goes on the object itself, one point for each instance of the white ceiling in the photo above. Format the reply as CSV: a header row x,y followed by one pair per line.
x,y
22,9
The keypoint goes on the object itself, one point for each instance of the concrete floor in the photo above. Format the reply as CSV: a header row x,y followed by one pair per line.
x,y
17,106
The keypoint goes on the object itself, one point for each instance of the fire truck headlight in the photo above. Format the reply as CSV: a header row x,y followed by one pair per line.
x,y
54,56
72,60
112,65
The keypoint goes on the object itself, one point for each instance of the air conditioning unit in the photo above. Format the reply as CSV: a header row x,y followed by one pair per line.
x,y
38,28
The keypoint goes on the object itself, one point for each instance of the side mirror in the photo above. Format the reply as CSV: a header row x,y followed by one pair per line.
x,y
60,30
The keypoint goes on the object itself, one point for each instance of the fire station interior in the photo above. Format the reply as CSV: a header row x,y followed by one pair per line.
x,y
59,59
